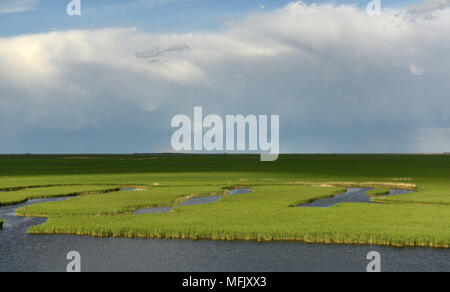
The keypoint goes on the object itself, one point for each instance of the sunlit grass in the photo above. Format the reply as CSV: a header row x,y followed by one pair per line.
x,y
415,219
376,192
265,215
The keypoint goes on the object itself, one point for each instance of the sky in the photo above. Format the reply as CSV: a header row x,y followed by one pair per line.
x,y
110,80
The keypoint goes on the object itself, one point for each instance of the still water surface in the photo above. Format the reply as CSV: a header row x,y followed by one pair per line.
x,y
355,195
194,201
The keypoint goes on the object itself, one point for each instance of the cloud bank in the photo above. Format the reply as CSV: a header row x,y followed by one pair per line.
x,y
426,9
340,80
14,6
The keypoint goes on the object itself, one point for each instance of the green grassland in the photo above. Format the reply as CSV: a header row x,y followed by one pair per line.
x,y
262,216
269,213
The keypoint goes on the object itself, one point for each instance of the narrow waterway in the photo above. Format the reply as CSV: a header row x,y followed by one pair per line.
x,y
195,201
355,195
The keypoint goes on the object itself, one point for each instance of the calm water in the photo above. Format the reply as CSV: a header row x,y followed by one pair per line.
x,y
133,189
20,251
194,201
358,195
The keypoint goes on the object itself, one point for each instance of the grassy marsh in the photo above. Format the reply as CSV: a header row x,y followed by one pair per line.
x,y
262,216
417,219
119,202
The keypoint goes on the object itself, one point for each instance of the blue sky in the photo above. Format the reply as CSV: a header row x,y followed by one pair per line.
x,y
166,16
111,80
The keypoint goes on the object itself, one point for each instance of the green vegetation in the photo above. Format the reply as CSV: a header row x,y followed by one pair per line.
x,y
262,216
17,197
437,194
417,219
376,192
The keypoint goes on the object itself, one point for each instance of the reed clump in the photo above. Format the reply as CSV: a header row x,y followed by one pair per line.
x,y
376,192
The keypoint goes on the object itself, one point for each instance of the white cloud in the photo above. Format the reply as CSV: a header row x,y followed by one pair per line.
x,y
14,6
426,9
415,70
332,73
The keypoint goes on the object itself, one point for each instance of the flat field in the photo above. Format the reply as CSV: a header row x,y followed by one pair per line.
x,y
268,213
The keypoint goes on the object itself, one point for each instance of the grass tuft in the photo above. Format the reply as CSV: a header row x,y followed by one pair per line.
x,y
376,192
